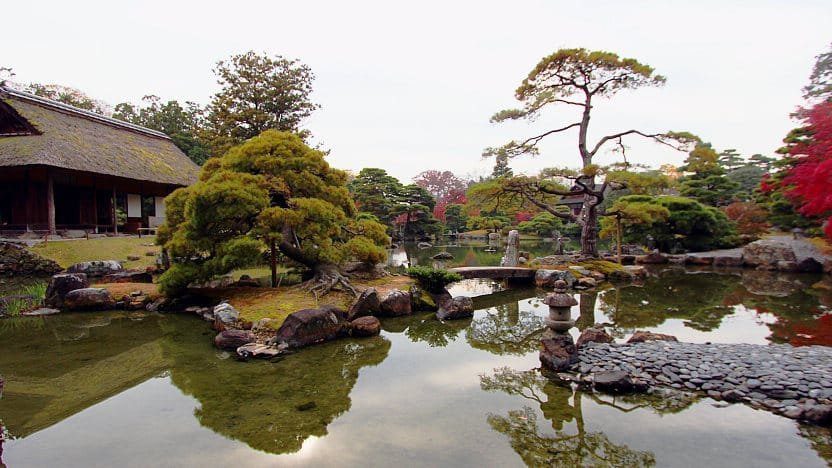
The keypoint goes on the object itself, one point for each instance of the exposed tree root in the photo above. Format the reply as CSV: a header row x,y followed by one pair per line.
x,y
328,278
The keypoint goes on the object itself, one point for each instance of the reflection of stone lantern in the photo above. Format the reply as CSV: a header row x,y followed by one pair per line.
x,y
558,351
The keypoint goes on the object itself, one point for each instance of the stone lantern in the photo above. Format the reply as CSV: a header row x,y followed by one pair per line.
x,y
560,308
558,351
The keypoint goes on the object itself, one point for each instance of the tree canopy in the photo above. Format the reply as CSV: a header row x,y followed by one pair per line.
x,y
687,225
183,124
271,189
574,77
258,92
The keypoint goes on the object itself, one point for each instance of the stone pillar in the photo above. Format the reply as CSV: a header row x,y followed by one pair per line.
x,y
558,351
511,258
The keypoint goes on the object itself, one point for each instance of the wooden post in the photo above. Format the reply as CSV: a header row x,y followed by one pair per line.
x,y
50,202
94,208
115,216
28,198
273,262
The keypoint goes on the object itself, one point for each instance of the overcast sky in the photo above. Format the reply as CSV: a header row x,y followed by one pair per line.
x,y
410,86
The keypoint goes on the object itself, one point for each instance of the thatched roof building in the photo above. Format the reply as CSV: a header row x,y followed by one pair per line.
x,y
63,167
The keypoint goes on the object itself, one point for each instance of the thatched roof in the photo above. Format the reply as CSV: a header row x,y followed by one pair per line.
x,y
71,138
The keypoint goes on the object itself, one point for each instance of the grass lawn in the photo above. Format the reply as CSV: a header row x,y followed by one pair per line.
x,y
69,252
257,303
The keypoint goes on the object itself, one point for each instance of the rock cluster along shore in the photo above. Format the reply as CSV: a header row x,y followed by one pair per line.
x,y
793,381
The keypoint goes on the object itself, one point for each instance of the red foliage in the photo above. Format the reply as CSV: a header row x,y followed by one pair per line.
x,y
750,217
811,178
440,184
439,211
521,216
454,197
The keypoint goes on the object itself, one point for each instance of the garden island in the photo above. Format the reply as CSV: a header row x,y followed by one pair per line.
x,y
203,282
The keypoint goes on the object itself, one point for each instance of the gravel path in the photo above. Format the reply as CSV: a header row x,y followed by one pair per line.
x,y
782,378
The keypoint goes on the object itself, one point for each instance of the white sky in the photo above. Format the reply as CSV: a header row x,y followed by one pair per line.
x,y
410,86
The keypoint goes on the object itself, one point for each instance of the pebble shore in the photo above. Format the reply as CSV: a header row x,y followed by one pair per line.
x,y
792,381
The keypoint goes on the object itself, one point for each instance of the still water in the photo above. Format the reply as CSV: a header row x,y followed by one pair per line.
x,y
142,389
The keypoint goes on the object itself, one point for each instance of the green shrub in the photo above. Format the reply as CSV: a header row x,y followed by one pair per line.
x,y
433,279
31,297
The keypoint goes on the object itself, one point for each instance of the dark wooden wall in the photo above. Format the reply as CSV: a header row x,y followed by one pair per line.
x,y
78,195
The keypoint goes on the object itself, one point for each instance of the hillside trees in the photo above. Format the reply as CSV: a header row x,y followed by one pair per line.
x,y
272,191
575,77
258,92
184,124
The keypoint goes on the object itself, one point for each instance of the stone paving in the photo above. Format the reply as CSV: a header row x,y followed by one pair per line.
x,y
793,381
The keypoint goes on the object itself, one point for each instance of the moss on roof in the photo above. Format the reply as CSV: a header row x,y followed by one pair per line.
x,y
77,141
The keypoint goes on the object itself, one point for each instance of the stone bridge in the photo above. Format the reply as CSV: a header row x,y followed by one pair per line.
x,y
497,273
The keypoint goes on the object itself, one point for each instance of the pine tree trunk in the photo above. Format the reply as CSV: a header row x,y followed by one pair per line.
x,y
589,231
273,262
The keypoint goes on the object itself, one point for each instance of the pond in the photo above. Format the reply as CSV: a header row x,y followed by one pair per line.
x,y
468,252
143,389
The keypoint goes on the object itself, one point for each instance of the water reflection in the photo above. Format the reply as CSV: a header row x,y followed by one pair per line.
x,y
571,444
321,399
466,253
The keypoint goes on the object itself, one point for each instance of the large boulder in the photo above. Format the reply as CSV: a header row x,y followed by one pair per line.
x,y
16,260
766,253
230,340
368,303
459,307
586,283
617,382
128,276
558,352
96,269
818,414
641,336
421,301
257,350
728,261
310,326
653,258
365,326
225,316
61,284
810,265
396,303
546,278
699,260
595,334
88,299
443,256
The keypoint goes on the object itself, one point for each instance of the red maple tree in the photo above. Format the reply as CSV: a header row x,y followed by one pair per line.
x,y
810,180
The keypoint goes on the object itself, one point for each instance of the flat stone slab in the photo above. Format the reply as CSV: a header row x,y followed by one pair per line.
x,y
496,272
782,378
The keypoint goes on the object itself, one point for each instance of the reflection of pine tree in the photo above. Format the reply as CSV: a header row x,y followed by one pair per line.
x,y
506,329
699,299
433,332
563,448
